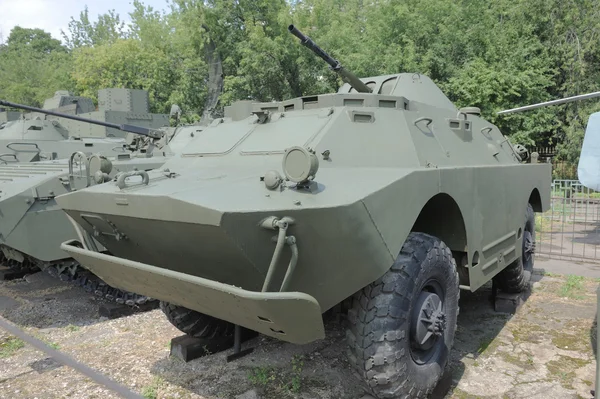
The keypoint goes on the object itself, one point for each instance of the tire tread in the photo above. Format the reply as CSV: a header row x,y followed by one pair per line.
x,y
194,323
371,349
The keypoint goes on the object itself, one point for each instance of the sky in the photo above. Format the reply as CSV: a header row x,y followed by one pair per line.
x,y
54,15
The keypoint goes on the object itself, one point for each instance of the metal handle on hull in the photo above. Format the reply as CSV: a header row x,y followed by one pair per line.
x,y
83,158
121,180
424,118
8,155
37,149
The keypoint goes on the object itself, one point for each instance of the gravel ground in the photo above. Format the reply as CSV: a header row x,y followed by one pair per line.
x,y
543,351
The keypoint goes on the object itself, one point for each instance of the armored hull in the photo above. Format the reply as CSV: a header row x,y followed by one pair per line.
x,y
402,159
31,224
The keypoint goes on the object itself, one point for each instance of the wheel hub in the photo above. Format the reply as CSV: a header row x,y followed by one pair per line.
x,y
528,246
428,321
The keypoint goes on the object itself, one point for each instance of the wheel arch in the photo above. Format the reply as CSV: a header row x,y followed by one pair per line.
x,y
535,199
441,217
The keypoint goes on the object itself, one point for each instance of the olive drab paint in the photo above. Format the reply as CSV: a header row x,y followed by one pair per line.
x,y
32,226
38,136
278,211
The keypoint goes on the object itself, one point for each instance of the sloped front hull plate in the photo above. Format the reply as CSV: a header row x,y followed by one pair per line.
x,y
289,316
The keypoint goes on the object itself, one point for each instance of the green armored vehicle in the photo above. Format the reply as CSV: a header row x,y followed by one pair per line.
x,y
39,136
384,193
32,225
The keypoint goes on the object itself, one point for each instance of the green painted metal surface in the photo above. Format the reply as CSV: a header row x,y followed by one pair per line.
x,y
291,316
36,136
313,197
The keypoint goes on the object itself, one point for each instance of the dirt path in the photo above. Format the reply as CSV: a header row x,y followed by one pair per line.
x,y
542,351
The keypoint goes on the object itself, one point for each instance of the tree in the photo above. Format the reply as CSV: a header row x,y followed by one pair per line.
x,y
36,40
33,66
106,30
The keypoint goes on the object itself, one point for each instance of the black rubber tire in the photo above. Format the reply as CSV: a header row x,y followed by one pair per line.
x,y
379,337
515,277
196,324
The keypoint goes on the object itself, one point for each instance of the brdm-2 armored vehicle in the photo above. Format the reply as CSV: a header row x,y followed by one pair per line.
x,y
32,226
383,192
47,134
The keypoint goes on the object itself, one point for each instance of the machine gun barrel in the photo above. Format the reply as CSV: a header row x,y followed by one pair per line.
x,y
143,131
347,76
553,102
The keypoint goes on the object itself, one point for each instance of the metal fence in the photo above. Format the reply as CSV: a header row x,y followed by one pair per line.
x,y
570,229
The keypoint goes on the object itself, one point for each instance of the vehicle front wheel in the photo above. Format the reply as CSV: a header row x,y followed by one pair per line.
x,y
196,324
402,325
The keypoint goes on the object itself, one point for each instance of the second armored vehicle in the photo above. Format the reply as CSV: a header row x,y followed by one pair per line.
x,y
32,225
46,136
384,193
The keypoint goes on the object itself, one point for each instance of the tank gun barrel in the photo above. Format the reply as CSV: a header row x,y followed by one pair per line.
x,y
553,102
347,76
143,131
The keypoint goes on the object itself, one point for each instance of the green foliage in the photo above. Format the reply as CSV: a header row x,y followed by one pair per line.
x,y
151,391
9,346
280,381
108,29
36,40
33,66
573,287
205,54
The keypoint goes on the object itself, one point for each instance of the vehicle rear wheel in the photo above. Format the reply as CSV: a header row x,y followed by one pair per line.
x,y
402,325
196,324
514,278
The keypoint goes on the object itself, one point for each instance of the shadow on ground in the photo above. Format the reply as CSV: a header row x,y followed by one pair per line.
x,y
42,301
274,369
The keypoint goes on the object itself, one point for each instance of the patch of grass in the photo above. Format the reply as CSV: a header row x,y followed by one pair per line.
x,y
262,376
280,382
53,345
564,368
526,332
573,287
72,328
574,336
543,224
550,274
485,344
516,360
9,346
296,381
151,391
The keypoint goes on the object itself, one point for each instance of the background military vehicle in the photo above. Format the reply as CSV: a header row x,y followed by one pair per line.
x,y
39,136
32,227
7,116
383,193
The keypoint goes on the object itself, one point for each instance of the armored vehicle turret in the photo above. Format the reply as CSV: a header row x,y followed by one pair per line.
x,y
41,136
390,197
